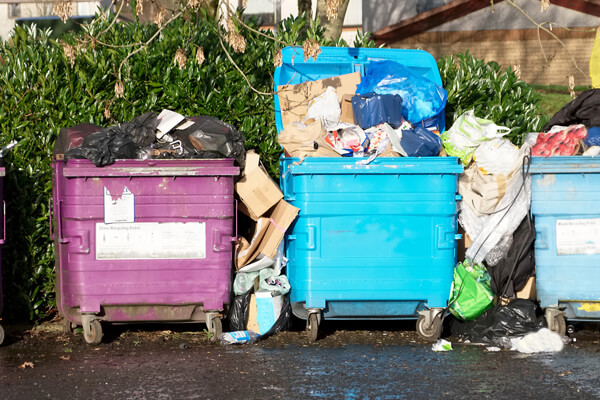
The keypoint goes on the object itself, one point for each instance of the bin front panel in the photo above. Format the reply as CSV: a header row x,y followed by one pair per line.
x,y
150,238
566,207
378,233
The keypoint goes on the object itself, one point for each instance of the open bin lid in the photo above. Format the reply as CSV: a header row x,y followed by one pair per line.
x,y
335,61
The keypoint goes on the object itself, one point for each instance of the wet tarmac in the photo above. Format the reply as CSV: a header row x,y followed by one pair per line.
x,y
388,361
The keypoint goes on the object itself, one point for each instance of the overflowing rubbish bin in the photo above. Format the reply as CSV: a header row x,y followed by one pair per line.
x,y
564,204
375,237
143,240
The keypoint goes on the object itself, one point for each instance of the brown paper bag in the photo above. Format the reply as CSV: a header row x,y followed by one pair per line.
x,y
305,141
482,191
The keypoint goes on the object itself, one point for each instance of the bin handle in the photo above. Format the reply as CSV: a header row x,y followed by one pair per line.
x,y
61,239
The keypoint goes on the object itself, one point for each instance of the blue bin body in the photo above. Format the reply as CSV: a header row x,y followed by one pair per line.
x,y
565,204
374,241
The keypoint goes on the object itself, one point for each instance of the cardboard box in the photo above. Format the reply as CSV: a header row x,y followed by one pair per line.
x,y
294,99
463,244
256,189
529,290
347,112
264,310
268,234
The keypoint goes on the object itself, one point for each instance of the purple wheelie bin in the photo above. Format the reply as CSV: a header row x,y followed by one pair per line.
x,y
3,220
143,240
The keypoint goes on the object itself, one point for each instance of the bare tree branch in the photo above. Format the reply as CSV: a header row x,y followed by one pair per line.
x,y
548,31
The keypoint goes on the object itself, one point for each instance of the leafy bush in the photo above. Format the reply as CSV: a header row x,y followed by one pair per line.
x,y
494,94
42,93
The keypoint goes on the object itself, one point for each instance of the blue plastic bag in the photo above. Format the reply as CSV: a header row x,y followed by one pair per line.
x,y
593,137
371,109
421,98
420,142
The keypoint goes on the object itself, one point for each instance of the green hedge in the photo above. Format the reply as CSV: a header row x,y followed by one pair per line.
x,y
494,94
42,93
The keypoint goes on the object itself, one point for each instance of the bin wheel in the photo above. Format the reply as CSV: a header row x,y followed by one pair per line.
x,y
94,336
560,325
67,327
312,327
429,333
216,328
1,334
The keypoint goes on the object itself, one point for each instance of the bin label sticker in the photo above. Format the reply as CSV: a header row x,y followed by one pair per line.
x,y
578,236
118,208
151,240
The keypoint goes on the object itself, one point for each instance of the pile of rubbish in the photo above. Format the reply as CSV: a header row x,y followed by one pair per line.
x,y
494,286
152,135
390,112
261,306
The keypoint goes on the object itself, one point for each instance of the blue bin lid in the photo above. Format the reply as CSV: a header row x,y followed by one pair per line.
x,y
334,61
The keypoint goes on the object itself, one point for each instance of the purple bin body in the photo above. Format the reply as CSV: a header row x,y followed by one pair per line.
x,y
143,240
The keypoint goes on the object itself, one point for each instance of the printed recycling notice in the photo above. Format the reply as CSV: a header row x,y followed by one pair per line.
x,y
578,236
151,240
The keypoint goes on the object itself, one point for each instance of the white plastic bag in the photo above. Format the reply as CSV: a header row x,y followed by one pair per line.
x,y
325,107
467,133
497,156
542,341
487,231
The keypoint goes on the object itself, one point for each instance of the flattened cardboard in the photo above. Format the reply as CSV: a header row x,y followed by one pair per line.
x,y
294,99
256,189
244,250
280,220
252,323
268,234
347,112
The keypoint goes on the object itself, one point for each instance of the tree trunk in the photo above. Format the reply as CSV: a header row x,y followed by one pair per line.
x,y
333,27
211,7
305,6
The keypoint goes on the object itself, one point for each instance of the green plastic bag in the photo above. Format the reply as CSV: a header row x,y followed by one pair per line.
x,y
467,133
471,293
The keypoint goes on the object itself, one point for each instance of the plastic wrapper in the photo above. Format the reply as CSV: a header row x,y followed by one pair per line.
x,y
421,98
467,133
347,139
417,142
238,311
486,231
371,109
239,337
325,107
238,314
515,263
559,141
593,137
104,147
497,156
542,341
496,325
471,293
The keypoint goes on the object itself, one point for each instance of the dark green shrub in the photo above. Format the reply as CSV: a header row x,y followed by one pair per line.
x,y
42,92
494,94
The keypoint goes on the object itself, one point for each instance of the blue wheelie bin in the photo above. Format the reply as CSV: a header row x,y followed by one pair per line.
x,y
374,241
565,203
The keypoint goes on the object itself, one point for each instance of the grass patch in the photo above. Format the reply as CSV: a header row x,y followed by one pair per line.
x,y
550,103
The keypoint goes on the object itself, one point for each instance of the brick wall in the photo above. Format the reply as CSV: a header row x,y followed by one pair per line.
x,y
518,47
